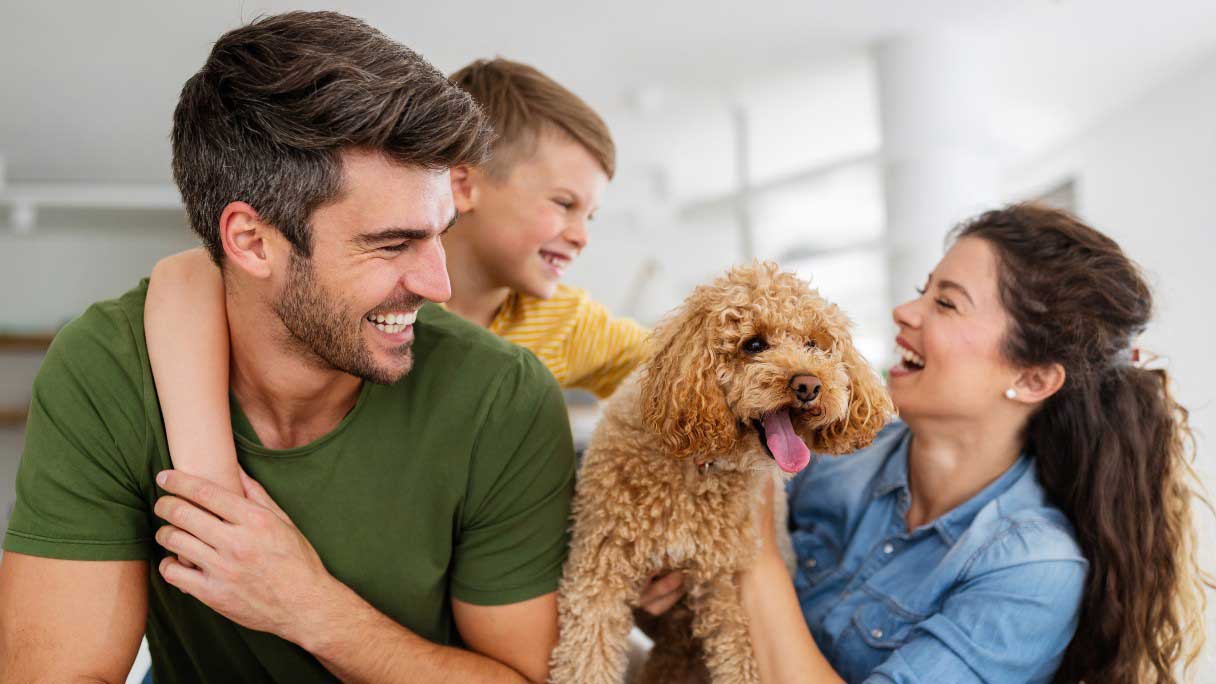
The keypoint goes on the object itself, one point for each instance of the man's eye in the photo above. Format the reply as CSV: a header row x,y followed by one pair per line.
x,y
754,345
399,247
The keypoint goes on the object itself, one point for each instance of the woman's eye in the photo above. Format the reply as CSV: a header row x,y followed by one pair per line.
x,y
564,204
754,345
944,303
919,290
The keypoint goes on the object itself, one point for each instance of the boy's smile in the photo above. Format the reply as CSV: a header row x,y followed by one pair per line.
x,y
556,261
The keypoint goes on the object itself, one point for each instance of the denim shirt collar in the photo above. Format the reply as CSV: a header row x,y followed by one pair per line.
x,y
893,479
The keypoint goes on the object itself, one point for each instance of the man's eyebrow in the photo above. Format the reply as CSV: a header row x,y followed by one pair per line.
x,y
397,234
390,235
951,285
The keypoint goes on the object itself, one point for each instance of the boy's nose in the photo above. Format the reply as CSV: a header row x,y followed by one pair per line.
x,y
576,233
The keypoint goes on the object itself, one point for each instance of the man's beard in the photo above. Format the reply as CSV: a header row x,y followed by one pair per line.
x,y
321,328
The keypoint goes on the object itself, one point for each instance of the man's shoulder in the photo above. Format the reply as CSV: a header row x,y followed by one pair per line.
x,y
447,343
437,328
105,340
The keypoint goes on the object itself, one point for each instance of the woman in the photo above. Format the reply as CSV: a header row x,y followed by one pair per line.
x,y
1029,518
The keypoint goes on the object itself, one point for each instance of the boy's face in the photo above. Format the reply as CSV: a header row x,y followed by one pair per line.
x,y
526,229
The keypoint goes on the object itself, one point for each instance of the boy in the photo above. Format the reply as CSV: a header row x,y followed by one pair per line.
x,y
523,220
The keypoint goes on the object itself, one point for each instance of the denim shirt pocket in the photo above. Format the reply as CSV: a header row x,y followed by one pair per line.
x,y
819,555
883,626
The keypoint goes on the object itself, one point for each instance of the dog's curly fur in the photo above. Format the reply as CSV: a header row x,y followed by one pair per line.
x,y
676,468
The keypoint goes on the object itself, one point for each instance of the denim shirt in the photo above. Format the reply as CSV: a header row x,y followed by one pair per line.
x,y
989,592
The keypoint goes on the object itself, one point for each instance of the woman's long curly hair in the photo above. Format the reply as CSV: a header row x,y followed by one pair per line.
x,y
1113,448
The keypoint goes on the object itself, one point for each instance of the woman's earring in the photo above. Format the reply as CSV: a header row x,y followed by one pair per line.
x,y
1011,393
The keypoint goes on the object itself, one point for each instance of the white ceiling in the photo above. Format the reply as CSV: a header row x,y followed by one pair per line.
x,y
87,87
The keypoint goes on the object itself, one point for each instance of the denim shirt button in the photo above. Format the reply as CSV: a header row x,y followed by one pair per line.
x,y
876,633
888,549
810,563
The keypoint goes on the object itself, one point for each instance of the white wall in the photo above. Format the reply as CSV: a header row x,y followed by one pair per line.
x,y
72,259
1146,175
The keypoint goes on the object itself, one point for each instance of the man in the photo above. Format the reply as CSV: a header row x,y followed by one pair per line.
x,y
312,156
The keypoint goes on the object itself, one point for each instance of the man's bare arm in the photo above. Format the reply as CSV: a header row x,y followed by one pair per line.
x,y
70,621
520,635
253,566
359,644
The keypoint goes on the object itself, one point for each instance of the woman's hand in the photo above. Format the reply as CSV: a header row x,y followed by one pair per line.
x,y
785,651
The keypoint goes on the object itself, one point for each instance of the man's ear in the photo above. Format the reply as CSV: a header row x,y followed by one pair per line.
x,y
1039,383
465,179
250,244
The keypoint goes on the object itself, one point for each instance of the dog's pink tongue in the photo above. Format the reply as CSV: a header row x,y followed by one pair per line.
x,y
790,451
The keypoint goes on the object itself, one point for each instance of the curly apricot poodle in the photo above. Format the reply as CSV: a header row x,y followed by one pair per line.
x,y
748,378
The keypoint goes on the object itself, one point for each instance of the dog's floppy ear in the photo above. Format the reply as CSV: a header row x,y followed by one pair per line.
x,y
681,399
869,409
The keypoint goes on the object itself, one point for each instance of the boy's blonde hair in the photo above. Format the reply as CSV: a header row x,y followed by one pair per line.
x,y
521,103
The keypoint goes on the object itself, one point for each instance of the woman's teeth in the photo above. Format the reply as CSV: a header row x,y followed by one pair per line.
x,y
911,359
392,323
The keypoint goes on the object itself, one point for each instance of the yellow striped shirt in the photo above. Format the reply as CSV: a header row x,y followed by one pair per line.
x,y
574,336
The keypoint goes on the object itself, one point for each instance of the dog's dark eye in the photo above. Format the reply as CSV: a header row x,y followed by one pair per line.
x,y
754,345
810,344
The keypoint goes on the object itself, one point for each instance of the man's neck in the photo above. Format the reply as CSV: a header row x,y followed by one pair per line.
x,y
289,399
476,296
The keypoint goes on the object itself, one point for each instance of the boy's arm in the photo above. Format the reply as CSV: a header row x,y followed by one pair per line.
x,y
604,349
186,326
70,621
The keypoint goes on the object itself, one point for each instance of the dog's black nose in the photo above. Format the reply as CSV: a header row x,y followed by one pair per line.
x,y
806,387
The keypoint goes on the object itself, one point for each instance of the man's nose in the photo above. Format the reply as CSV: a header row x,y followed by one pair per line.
x,y
428,275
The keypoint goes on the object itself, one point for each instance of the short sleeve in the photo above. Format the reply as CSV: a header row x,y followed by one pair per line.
x,y
1009,622
603,350
78,495
513,529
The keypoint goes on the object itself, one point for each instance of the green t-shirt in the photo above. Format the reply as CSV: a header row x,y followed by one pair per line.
x,y
454,482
